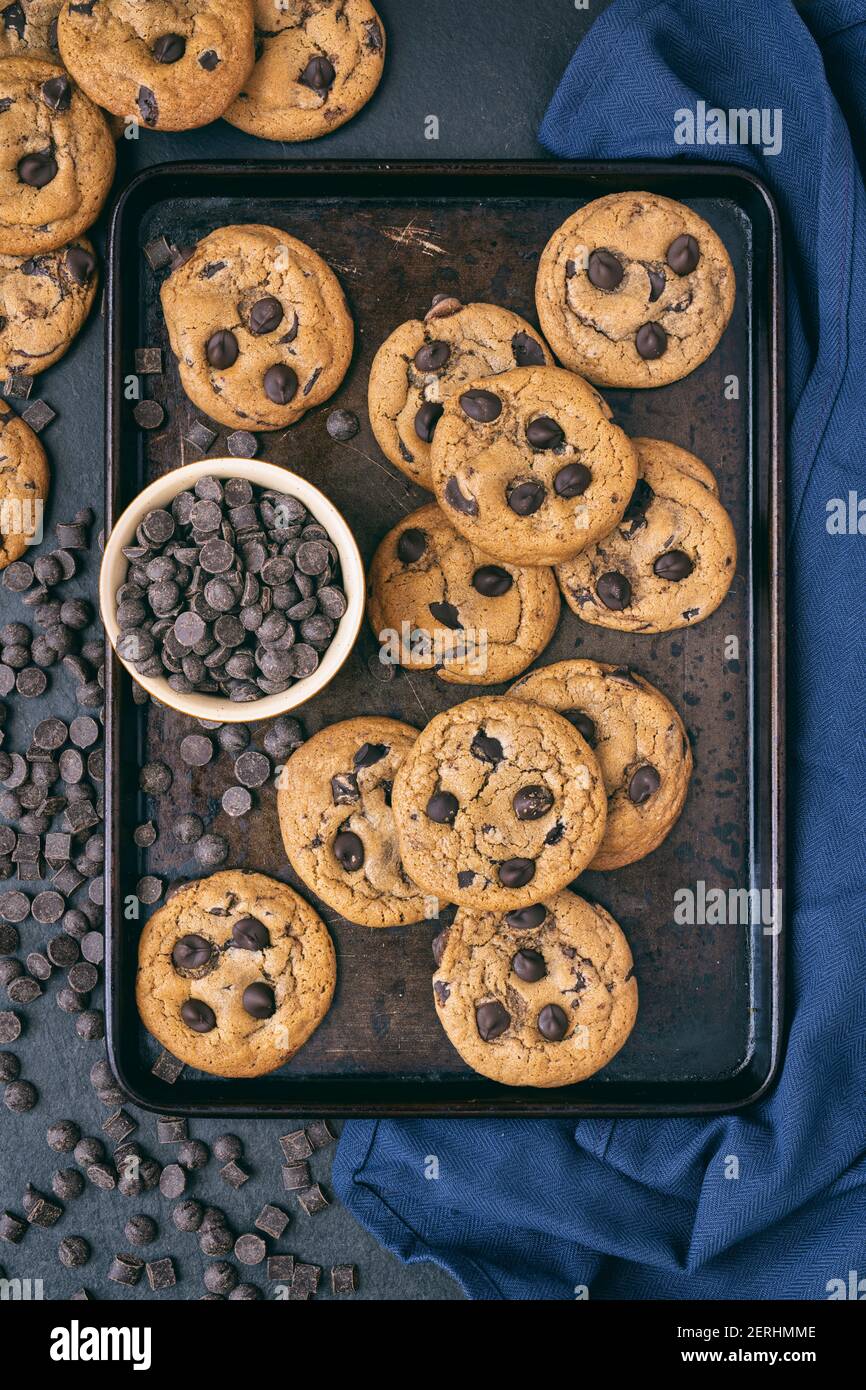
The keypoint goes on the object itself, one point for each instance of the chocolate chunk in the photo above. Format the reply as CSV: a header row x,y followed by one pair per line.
x,y
442,808
38,169
197,1015
604,270
280,384
481,406
486,749
272,1220
492,581
446,614
683,254
343,1279
249,934
349,851
651,341
516,873
259,1001
643,782
426,419
411,545
319,74
491,1020
572,480
320,1134
149,110
673,565
527,351
614,591
531,803
265,315
456,499
657,284
313,1200
544,433
525,498
635,512
553,1023
191,952
369,754
431,357
169,48
57,93
529,965
582,723
222,349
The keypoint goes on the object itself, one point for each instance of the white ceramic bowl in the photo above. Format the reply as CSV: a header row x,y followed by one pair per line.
x,y
264,475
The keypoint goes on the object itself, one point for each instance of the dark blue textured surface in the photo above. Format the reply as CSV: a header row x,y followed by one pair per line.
x,y
643,1209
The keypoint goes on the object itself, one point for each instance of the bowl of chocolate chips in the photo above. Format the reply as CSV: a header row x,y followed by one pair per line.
x,y
232,589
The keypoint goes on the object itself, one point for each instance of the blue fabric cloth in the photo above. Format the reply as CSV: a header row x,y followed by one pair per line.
x,y
641,1208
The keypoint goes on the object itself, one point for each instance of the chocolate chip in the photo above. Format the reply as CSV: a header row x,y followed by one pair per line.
x,y
604,270
221,349
673,565
349,850
188,828
252,769
657,284
319,74
651,341
169,48
57,93
446,614
544,433
237,801
492,581
614,591
486,749
280,383
149,109
480,405
635,512
342,425
643,782
431,357
209,60
197,1015
211,851
683,254
516,873
582,723
196,750
531,803
250,1249
491,1020
411,545
525,498
259,1001
529,965
442,808
553,1023
426,420
37,170
527,352
191,952
241,444
572,480
265,315
249,934
456,499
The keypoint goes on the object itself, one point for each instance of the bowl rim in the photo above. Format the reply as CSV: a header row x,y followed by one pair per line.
x,y
266,475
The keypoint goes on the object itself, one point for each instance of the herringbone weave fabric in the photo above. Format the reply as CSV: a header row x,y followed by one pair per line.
x,y
642,1209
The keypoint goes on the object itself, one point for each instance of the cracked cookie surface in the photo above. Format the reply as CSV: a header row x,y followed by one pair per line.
x,y
334,805
499,802
44,301
670,561
235,972
634,290
317,63
529,467
640,743
56,157
545,999
259,326
29,26
170,64
24,481
474,621
425,361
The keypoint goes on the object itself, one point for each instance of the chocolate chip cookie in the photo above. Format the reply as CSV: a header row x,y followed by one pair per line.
x,y
44,301
671,559
545,996
317,63
529,467
425,361
235,972
29,26
499,803
170,66
334,804
56,157
24,480
640,743
435,601
634,290
259,325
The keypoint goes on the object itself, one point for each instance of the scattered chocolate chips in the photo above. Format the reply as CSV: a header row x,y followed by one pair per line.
x,y
342,425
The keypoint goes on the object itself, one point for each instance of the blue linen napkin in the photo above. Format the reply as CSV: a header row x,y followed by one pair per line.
x,y
642,1208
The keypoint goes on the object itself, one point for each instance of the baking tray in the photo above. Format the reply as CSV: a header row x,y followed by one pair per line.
x,y
708,1031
